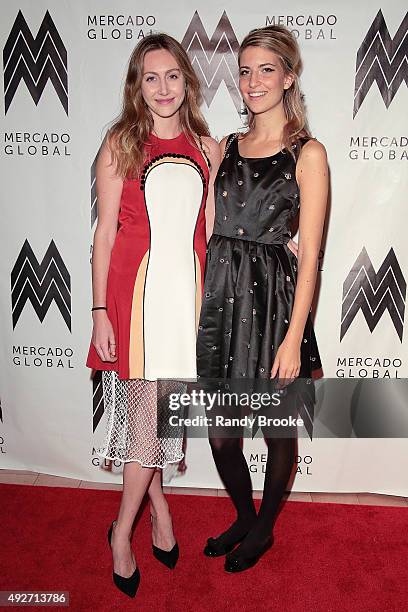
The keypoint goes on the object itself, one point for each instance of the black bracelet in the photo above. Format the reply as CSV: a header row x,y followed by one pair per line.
x,y
98,308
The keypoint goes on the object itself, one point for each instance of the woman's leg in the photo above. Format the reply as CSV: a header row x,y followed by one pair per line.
x,y
233,470
162,526
136,481
279,465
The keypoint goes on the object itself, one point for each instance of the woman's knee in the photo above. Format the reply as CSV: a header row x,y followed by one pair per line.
x,y
224,445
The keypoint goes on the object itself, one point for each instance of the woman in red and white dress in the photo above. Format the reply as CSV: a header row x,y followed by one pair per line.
x,y
154,181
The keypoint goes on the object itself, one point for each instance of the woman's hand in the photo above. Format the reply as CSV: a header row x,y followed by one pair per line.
x,y
287,362
293,246
103,337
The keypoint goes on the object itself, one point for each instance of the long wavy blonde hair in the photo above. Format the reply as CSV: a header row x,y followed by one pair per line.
x,y
280,41
129,134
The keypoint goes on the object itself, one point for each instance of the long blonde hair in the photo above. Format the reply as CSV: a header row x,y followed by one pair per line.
x,y
129,134
280,41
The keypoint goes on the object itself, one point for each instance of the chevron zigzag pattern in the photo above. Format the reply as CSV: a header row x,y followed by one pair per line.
x,y
40,283
383,60
374,293
35,61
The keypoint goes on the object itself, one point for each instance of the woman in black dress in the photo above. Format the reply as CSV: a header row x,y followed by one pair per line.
x,y
255,322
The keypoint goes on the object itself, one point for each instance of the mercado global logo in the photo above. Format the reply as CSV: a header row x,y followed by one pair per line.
x,y
374,292
35,61
214,59
40,283
382,59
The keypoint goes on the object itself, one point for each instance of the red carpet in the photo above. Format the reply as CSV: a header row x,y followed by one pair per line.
x,y
326,557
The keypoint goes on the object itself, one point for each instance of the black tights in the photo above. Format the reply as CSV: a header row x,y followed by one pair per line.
x,y
234,472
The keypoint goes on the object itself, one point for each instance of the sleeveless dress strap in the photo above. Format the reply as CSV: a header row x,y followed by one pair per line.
x,y
229,142
299,144
203,151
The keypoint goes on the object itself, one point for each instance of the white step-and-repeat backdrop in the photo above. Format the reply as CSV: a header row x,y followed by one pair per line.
x,y
63,70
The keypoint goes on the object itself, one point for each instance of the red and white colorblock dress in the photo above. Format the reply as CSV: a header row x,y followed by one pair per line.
x,y
154,291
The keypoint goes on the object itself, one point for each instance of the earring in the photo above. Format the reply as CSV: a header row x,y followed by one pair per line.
x,y
244,109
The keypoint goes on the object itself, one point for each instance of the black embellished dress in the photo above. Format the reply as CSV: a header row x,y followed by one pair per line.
x,y
251,273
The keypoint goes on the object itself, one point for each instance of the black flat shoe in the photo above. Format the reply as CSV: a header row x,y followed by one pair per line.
x,y
237,563
167,557
129,585
214,548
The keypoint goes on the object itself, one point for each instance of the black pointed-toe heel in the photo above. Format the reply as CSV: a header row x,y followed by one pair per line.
x,y
238,563
167,557
129,585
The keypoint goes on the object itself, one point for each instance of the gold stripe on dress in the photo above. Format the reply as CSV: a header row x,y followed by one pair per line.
x,y
136,340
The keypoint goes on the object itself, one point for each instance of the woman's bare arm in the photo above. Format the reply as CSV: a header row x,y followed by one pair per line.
x,y
313,179
108,190
212,149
